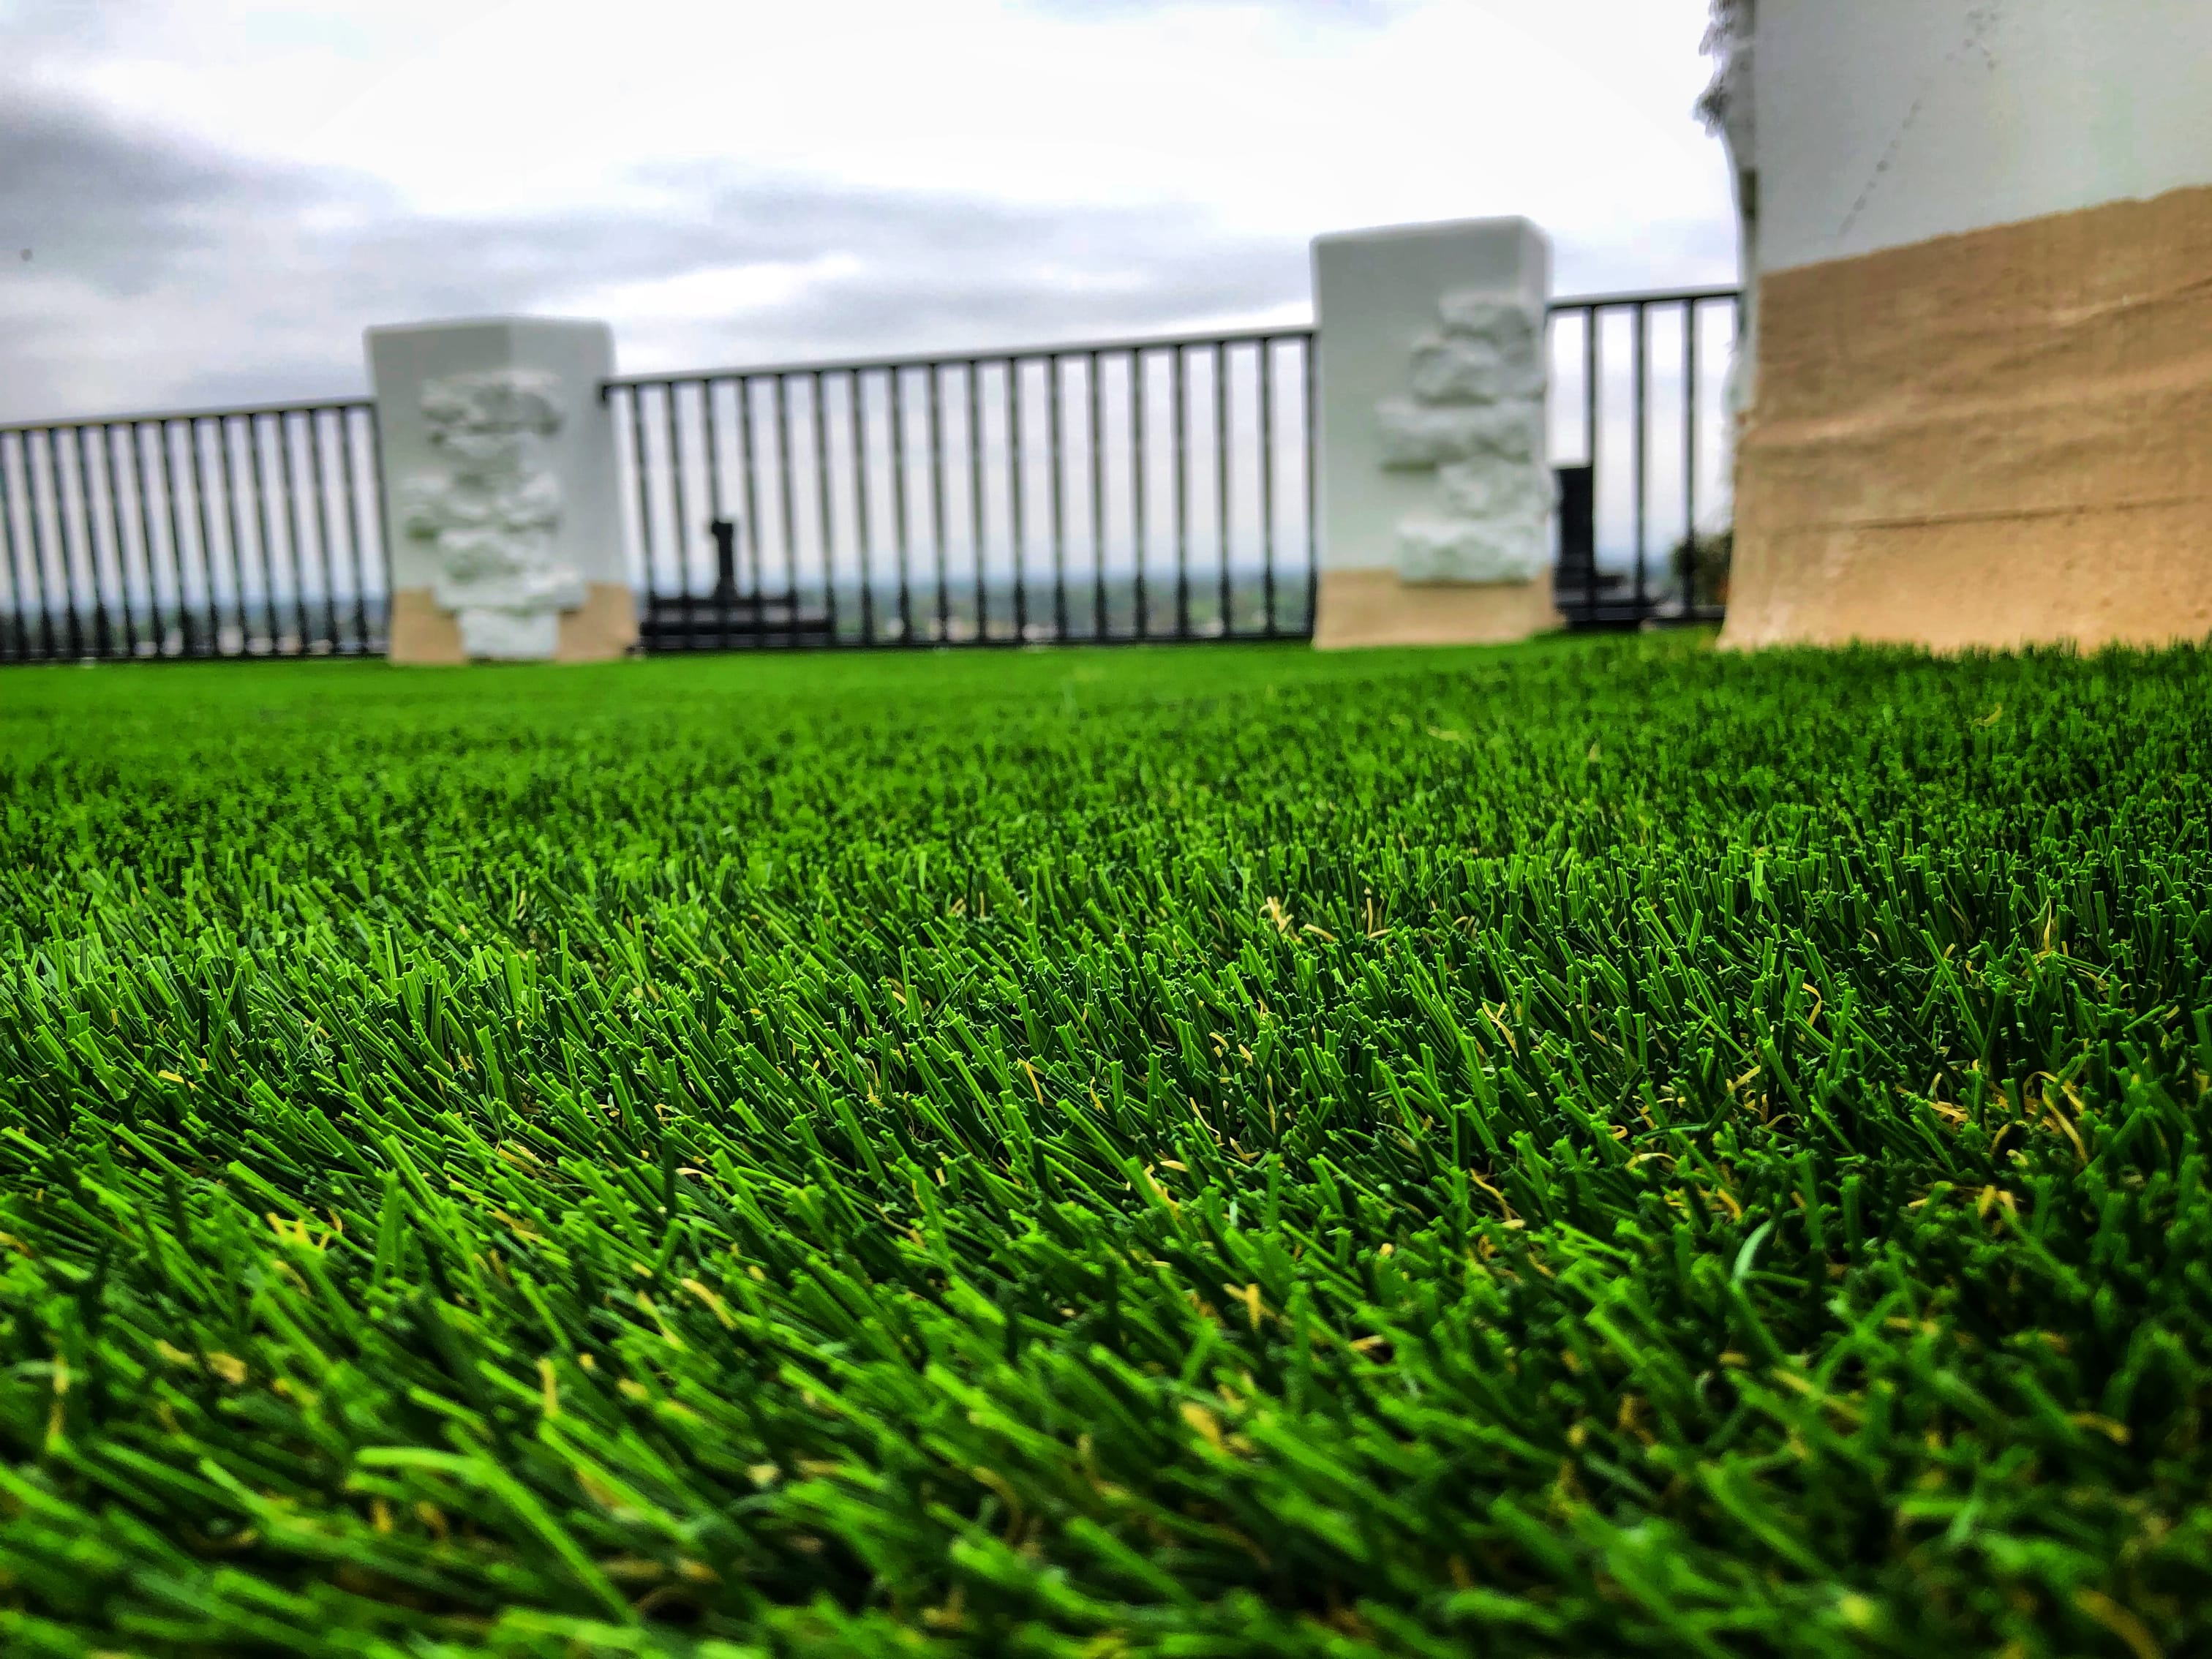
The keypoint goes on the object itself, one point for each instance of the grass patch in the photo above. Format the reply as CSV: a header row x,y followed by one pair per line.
x,y
1595,1148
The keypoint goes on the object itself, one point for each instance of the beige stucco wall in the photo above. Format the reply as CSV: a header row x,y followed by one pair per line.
x,y
1986,440
1982,388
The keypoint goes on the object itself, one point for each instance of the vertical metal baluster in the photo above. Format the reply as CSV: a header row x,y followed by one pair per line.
x,y
1643,437
36,535
937,501
198,454
261,524
672,416
1266,369
382,540
648,547
104,607
297,552
27,452
973,374
260,498
1221,481
108,478
233,538
18,623
1056,389
20,589
118,541
146,538
66,469
1590,370
355,541
281,552
72,593
822,489
14,626
158,530
787,526
680,516
1097,482
62,591
856,422
64,635
1692,558
752,527
320,515
1014,469
166,468
1179,393
14,635
142,486
195,462
1137,484
1313,515
61,542
715,504
103,627
11,598
900,537
326,554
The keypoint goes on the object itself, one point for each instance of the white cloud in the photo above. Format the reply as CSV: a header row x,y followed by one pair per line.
x,y
763,179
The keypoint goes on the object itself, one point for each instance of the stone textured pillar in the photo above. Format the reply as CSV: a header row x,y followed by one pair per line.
x,y
1436,497
501,496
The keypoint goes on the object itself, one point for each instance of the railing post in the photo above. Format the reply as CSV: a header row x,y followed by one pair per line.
x,y
500,491
1437,499
724,532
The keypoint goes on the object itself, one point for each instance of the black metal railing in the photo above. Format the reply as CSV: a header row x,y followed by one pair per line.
x,y
1647,462
1136,489
237,533
1146,489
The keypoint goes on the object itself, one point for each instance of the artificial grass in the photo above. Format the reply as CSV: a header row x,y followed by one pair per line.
x,y
1596,1148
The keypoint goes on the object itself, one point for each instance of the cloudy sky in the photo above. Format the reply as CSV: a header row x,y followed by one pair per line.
x,y
206,200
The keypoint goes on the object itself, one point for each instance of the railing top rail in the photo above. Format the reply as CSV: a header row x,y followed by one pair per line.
x,y
1654,297
1083,348
988,355
86,423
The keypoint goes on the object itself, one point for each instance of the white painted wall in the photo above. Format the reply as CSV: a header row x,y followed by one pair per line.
x,y
1883,123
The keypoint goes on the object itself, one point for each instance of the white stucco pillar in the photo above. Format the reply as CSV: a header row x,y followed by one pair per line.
x,y
1437,495
500,491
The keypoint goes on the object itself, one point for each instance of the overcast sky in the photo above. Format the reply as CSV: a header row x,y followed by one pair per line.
x,y
206,200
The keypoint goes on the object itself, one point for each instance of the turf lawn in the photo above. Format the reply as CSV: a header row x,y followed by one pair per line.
x,y
1591,1149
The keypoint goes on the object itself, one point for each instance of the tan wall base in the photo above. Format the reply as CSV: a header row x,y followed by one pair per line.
x,y
424,636
1990,439
1374,607
606,627
420,635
